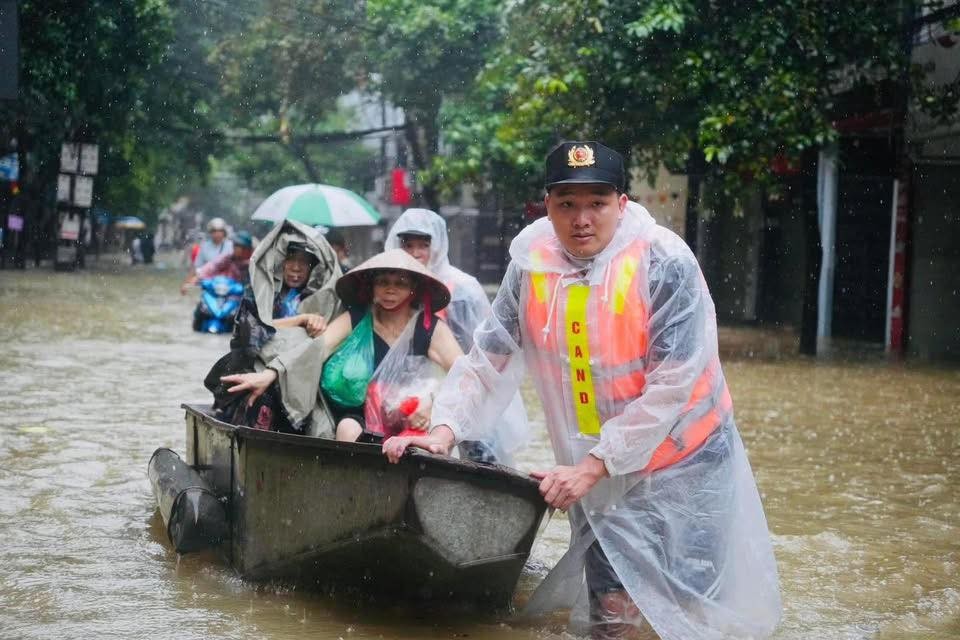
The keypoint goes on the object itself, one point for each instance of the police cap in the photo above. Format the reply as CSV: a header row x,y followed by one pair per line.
x,y
584,162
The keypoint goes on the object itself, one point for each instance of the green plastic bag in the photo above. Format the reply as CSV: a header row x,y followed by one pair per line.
x,y
347,372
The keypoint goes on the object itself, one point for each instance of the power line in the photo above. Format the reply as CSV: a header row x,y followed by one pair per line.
x,y
311,138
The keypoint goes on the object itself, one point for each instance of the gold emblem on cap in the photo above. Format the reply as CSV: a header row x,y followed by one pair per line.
x,y
580,156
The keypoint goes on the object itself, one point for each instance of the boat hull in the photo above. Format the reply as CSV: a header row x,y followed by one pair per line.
x,y
339,516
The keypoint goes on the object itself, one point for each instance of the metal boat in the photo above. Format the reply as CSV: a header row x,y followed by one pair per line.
x,y
339,516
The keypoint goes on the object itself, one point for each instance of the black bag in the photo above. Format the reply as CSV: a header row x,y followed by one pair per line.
x,y
267,412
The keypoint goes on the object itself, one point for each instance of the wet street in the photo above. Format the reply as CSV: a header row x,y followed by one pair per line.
x,y
858,462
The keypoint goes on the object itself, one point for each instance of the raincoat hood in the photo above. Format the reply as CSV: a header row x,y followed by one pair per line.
x,y
423,222
636,221
266,270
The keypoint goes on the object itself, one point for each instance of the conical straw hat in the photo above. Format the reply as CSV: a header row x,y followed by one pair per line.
x,y
356,286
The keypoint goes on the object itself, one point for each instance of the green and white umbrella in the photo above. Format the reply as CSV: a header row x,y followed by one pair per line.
x,y
318,204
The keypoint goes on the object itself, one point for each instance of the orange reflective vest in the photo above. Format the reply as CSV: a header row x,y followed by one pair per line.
x,y
610,366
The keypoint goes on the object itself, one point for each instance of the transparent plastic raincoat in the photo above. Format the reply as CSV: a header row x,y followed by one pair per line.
x,y
468,308
623,351
402,387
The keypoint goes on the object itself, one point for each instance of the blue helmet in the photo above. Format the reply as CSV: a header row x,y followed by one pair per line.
x,y
242,239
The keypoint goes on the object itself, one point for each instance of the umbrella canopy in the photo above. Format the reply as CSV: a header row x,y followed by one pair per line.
x,y
315,204
129,222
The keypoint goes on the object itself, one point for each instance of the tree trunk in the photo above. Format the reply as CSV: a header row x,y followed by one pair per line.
x,y
422,157
813,253
692,214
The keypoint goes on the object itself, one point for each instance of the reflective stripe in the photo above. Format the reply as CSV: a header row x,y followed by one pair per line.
x,y
621,288
578,349
539,282
675,449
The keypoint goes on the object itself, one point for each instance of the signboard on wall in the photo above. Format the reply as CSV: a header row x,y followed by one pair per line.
x,y
89,159
82,191
63,188
69,157
69,226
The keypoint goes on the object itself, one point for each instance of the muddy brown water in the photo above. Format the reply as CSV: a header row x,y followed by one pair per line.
x,y
857,462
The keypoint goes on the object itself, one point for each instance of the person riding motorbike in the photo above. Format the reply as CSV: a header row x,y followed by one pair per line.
x,y
215,245
234,265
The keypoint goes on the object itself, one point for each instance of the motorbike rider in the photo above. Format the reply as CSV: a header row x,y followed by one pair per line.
x,y
235,265
215,245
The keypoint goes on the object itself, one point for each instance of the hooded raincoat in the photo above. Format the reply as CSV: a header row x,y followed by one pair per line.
x,y
296,357
623,351
468,308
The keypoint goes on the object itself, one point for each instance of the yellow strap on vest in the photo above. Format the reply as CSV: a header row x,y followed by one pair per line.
x,y
539,281
578,346
538,278
621,287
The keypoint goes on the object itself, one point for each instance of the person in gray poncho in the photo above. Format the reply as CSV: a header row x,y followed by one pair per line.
x,y
293,275
307,304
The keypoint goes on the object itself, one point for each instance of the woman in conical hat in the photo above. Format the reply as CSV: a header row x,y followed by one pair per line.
x,y
401,298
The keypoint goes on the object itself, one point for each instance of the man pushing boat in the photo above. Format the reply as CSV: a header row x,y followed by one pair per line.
x,y
610,314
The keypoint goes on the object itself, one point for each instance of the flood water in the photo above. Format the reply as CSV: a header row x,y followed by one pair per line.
x,y
857,460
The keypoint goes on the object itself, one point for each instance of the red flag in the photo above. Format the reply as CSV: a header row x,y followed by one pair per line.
x,y
400,187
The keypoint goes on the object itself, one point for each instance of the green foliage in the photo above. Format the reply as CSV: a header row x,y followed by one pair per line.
x,y
288,64
281,74
422,54
735,83
423,51
268,167
107,71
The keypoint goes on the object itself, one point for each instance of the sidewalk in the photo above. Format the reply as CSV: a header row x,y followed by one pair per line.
x,y
757,342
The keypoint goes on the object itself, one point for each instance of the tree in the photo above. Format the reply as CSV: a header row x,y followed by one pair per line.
x,y
285,71
421,54
727,87
675,78
105,72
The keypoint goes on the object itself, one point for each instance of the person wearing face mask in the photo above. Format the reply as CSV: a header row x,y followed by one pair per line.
x,y
423,234
611,316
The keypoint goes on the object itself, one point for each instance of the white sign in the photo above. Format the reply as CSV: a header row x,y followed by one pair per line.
x,y
10,167
69,157
89,159
69,226
83,191
63,188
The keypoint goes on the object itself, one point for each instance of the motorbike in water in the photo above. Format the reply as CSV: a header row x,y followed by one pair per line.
x,y
219,300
